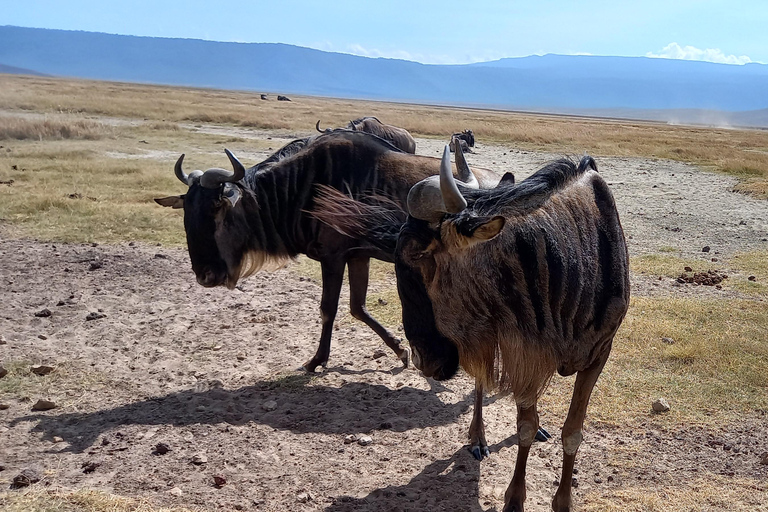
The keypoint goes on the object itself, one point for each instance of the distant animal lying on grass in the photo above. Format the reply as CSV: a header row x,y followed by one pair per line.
x,y
512,283
283,98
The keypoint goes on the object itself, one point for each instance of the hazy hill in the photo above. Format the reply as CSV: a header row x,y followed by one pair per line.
x,y
554,83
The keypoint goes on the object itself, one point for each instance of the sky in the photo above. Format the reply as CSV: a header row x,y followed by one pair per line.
x,y
432,32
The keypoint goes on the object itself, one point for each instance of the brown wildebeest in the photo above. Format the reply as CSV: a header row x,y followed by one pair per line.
x,y
239,222
398,137
283,98
513,284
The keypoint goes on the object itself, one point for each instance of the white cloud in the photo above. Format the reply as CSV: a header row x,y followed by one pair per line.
x,y
675,51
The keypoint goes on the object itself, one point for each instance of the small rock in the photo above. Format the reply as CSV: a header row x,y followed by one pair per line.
x,y
219,481
304,497
199,459
660,405
176,491
26,478
95,265
575,471
241,357
161,449
365,440
575,482
42,337
688,269
3,372
4,407
742,223
752,278
351,438
216,348
764,459
378,354
43,313
714,259
668,341
90,467
43,405
41,369
382,302
610,478
57,439
3,340
705,249
93,315
269,405
598,480
160,256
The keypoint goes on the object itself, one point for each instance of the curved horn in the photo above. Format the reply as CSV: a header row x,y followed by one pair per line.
x,y
452,199
317,127
187,179
212,178
465,173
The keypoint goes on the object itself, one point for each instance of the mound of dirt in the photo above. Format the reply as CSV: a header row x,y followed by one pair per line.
x,y
708,278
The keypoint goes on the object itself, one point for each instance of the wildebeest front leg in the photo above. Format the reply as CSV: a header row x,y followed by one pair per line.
x,y
527,426
582,390
477,443
358,289
333,275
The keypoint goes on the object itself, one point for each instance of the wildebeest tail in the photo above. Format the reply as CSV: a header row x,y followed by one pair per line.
x,y
375,219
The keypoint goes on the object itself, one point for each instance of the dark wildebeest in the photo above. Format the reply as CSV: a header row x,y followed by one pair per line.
x,y
283,98
398,137
514,283
239,222
463,145
263,96
467,136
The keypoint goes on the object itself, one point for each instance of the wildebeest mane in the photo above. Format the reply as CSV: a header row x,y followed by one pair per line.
x,y
361,119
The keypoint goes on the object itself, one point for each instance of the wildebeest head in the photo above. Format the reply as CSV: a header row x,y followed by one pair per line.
x,y
439,226
215,222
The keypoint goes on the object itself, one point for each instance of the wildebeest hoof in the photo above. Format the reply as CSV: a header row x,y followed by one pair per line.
x,y
542,435
480,452
405,357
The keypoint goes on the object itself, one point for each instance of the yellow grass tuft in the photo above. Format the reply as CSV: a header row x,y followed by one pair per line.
x,y
83,500
19,128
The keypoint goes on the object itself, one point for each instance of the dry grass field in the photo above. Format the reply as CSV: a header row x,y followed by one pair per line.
x,y
80,163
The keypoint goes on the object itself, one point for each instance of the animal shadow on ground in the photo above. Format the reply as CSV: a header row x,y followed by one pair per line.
x,y
450,484
285,404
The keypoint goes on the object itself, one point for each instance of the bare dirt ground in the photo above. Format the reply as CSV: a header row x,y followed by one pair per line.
x,y
212,374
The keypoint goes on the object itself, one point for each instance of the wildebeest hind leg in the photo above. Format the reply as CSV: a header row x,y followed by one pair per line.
x,y
582,390
333,276
358,289
477,443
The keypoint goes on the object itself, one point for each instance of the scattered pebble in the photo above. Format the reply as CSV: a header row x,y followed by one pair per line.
x,y
378,354
269,405
93,315
42,336
764,459
176,491
365,440
668,341
706,248
598,480
3,372
304,497
575,482
41,369
382,302
216,348
57,439
44,405
688,269
752,278
95,265
199,459
161,449
90,467
219,481
26,478
351,438
43,313
4,407
660,405
2,340
161,256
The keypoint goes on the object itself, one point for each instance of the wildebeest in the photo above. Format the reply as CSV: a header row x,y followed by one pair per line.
x,y
264,96
283,98
398,137
513,284
463,145
239,222
467,136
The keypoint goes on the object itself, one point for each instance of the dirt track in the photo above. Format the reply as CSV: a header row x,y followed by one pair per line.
x,y
196,369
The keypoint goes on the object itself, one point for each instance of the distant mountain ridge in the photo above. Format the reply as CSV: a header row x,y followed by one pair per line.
x,y
553,83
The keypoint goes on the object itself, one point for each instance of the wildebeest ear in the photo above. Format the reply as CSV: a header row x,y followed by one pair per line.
x,y
507,179
480,229
232,193
174,202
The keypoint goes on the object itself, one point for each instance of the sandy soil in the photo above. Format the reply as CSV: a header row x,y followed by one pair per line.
x,y
212,373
